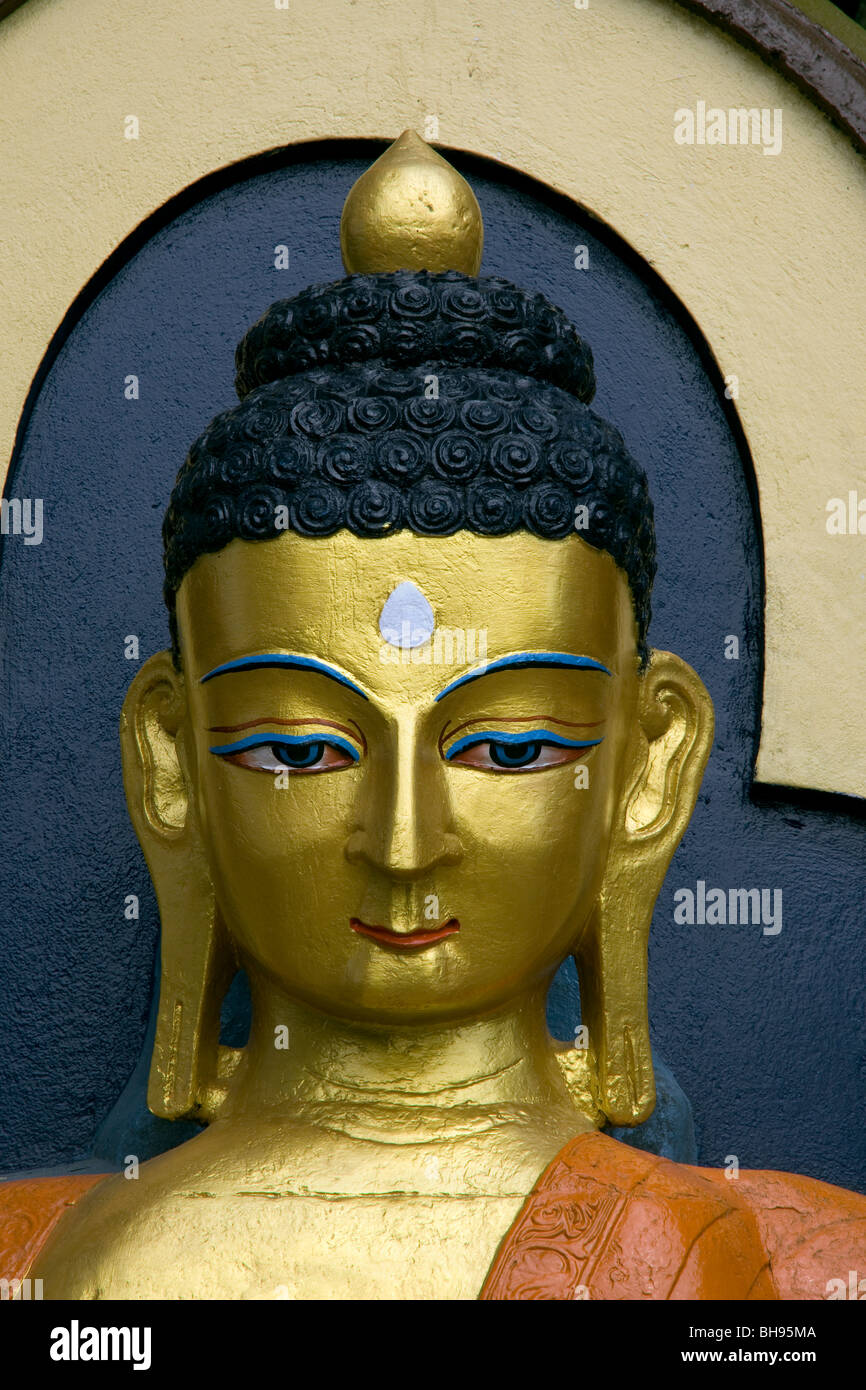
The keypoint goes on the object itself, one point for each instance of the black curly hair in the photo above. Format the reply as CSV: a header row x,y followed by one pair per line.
x,y
430,402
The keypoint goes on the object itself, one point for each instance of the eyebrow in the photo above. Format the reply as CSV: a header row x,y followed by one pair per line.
x,y
580,663
295,663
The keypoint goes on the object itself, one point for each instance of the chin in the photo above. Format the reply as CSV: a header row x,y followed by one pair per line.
x,y
405,993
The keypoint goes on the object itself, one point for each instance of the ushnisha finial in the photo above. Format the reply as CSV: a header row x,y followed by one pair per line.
x,y
411,210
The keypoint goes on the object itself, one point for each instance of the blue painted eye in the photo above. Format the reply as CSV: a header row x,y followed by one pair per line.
x,y
298,755
532,751
292,752
513,754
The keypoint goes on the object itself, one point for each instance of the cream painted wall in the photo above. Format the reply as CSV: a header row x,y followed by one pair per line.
x,y
766,252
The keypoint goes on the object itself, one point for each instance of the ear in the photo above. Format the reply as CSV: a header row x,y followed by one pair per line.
x,y
674,737
662,773
196,965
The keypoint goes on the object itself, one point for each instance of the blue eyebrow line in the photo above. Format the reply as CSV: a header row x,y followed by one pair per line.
x,y
515,739
285,740
297,663
581,663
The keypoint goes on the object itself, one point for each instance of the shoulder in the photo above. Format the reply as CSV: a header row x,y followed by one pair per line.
x,y
98,1246
606,1221
30,1209
134,1229
814,1233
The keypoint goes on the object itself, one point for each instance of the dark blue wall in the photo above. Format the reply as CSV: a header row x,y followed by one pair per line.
x,y
765,1034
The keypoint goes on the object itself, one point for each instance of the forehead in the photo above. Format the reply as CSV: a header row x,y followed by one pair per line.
x,y
323,597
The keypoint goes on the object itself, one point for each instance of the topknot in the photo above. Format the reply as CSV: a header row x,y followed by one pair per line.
x,y
404,318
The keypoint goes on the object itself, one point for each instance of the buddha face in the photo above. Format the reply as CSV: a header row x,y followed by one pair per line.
x,y
398,834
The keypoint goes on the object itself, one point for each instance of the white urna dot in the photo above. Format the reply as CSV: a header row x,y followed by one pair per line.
x,y
406,619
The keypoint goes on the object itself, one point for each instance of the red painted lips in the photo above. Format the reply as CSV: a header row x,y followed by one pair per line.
x,y
405,941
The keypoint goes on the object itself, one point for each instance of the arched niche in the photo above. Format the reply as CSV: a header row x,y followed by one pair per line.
x,y
168,309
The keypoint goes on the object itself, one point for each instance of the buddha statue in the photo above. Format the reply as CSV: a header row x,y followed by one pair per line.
x,y
408,751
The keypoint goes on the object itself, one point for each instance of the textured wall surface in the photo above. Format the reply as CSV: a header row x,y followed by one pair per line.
x,y
765,251
764,1033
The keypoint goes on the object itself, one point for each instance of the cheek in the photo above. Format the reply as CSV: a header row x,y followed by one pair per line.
x,y
535,841
267,843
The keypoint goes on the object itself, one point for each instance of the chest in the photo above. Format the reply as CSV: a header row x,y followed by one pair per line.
x,y
312,1247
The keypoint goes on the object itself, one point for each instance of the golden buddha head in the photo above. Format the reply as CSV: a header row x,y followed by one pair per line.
x,y
410,748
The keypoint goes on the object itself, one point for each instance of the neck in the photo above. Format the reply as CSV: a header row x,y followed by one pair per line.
x,y
396,1082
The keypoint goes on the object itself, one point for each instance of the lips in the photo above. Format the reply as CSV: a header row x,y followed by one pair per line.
x,y
404,941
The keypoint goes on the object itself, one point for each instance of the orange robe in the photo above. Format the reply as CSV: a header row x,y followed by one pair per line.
x,y
604,1221
30,1208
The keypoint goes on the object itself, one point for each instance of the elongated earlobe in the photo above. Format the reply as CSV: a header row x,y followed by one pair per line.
x,y
196,964
661,781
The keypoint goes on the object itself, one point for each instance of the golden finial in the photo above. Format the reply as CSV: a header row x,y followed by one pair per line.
x,y
411,210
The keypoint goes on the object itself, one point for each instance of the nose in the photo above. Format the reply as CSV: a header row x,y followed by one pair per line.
x,y
405,822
